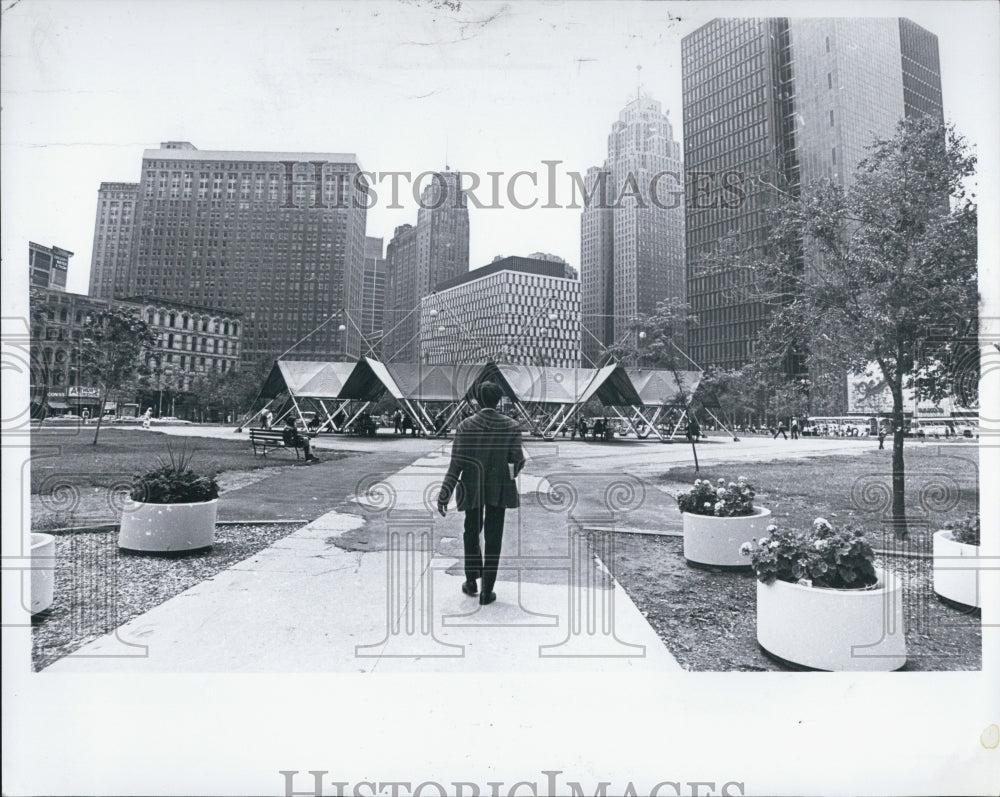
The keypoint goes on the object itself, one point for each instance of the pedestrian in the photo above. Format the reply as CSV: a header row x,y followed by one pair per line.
x,y
292,439
85,414
582,428
693,430
485,460
881,438
397,421
795,428
147,417
267,418
780,430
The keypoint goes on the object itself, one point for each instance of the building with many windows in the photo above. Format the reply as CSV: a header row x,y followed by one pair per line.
x,y
47,266
373,296
420,258
275,236
632,227
113,227
192,342
515,310
771,105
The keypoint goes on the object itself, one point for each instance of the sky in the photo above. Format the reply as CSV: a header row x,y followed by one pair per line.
x,y
412,86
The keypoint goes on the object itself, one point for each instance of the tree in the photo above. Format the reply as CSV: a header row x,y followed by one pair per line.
x,y
872,272
655,345
113,343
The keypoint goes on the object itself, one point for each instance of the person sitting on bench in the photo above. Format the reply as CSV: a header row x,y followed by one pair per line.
x,y
292,439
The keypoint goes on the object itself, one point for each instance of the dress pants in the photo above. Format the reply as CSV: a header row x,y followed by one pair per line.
x,y
489,521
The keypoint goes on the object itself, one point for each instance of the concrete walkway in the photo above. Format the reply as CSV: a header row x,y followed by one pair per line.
x,y
375,586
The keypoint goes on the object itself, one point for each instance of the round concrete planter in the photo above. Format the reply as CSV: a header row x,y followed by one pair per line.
x,y
716,541
839,630
43,571
167,528
956,570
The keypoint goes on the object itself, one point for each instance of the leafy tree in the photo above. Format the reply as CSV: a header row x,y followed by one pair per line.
x,y
654,343
870,273
113,343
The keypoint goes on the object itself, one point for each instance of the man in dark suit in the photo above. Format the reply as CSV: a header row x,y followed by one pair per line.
x,y
485,459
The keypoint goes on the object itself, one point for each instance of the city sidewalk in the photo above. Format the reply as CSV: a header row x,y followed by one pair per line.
x,y
379,590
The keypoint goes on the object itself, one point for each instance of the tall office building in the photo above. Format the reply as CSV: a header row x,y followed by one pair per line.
x,y
113,230
275,236
48,266
421,257
771,105
372,314
515,310
632,227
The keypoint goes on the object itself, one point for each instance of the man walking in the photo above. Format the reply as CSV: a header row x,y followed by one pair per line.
x,y
795,428
485,459
781,431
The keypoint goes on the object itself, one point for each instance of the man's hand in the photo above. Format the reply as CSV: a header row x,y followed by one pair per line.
x,y
443,507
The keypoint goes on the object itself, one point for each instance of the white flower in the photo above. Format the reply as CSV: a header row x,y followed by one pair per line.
x,y
822,524
722,481
771,529
741,479
720,492
764,541
775,544
746,549
708,505
820,545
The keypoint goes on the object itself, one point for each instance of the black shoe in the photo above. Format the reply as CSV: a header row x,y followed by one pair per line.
x,y
486,598
470,588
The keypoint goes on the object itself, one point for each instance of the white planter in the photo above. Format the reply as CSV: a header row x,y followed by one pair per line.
x,y
164,528
956,570
43,571
834,629
710,540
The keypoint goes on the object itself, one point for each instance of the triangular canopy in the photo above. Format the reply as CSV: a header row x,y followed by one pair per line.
x,y
306,379
656,388
545,385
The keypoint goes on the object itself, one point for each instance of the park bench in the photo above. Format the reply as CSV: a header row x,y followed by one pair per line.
x,y
264,438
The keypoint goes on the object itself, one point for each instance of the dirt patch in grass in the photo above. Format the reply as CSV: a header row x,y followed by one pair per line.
x,y
98,588
708,619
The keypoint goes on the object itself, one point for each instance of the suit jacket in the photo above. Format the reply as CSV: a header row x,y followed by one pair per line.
x,y
484,444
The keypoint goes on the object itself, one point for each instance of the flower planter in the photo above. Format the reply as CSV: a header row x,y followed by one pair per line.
x,y
956,570
834,629
716,541
43,571
167,528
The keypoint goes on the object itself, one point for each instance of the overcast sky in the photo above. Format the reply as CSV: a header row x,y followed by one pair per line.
x,y
406,86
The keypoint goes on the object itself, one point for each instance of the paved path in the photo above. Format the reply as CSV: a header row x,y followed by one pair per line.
x,y
373,585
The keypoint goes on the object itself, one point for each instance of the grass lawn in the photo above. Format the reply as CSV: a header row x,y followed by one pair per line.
x,y
942,483
66,459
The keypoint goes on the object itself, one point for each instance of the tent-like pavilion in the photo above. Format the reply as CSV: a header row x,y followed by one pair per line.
x,y
434,395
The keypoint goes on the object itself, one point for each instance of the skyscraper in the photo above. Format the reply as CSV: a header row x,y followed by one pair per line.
x,y
113,228
373,295
632,227
276,236
771,105
418,258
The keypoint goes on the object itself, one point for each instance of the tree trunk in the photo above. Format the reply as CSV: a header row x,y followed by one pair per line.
x,y
898,473
100,414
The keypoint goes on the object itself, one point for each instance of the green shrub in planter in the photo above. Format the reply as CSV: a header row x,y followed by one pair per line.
x,y
821,557
722,500
173,482
966,530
